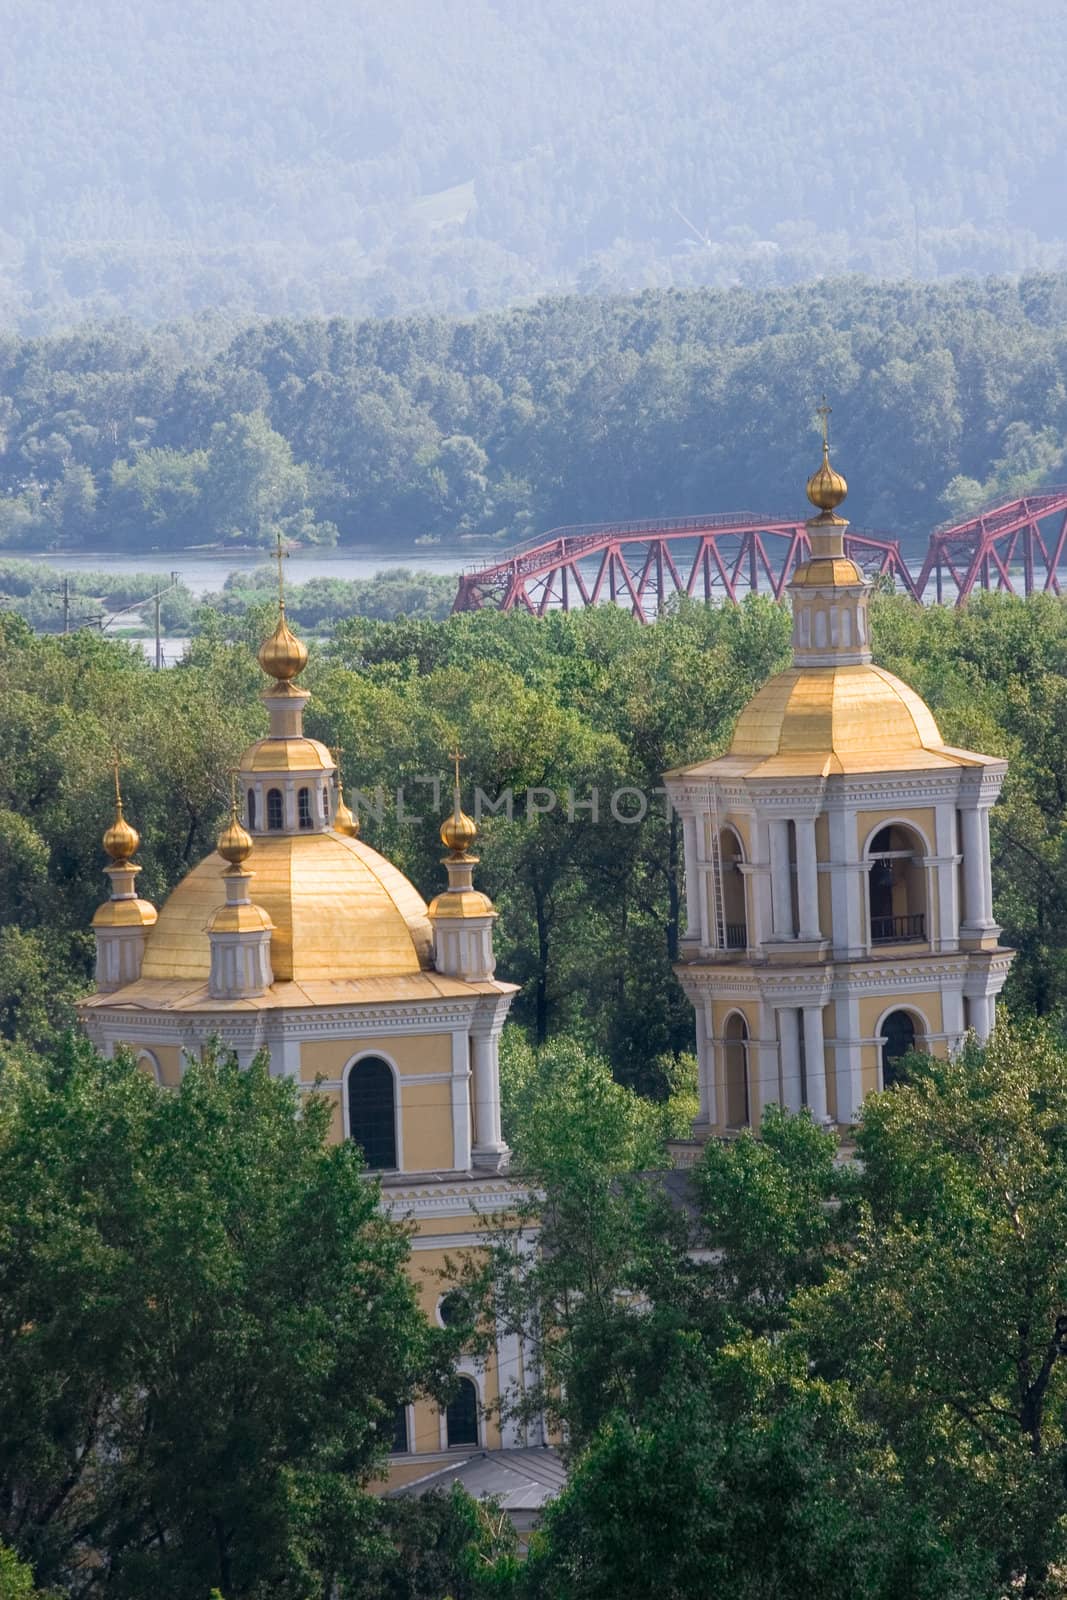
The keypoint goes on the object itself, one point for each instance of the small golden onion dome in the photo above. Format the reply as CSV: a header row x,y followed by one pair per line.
x,y
283,656
234,842
458,832
344,821
826,488
121,839
239,919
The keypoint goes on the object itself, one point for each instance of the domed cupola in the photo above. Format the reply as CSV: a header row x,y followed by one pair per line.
x,y
287,780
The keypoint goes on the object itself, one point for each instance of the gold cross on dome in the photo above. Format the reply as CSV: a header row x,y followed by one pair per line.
x,y
823,410
115,773
280,555
456,756
233,793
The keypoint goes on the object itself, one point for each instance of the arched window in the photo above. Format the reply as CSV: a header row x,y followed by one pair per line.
x,y
735,1046
250,807
303,807
733,890
898,1031
325,802
372,1112
400,1442
461,1417
275,814
896,886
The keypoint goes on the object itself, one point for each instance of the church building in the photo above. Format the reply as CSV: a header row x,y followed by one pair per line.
x,y
838,886
297,938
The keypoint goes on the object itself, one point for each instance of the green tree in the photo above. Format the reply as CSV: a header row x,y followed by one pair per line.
x,y
205,1324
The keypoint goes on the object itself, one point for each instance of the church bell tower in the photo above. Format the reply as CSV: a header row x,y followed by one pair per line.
x,y
838,887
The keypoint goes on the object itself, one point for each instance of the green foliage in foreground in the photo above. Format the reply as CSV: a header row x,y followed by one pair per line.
x,y
206,1324
848,1382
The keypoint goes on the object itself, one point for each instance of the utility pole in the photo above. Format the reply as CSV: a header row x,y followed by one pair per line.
x,y
66,605
159,641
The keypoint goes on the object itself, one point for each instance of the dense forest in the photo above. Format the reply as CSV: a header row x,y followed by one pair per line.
x,y
377,433
363,157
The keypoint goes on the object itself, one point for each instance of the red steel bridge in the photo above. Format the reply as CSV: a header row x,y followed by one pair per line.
x,y
1020,546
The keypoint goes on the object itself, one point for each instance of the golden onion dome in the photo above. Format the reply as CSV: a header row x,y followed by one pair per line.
x,y
458,832
121,839
344,821
283,656
826,488
234,842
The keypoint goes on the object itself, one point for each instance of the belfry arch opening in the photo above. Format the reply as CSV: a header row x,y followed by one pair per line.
x,y
896,886
734,912
900,1032
735,1052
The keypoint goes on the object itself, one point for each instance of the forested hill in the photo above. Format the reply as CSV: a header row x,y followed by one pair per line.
x,y
376,156
573,410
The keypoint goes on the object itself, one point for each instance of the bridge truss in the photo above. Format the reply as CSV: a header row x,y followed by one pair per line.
x,y
642,565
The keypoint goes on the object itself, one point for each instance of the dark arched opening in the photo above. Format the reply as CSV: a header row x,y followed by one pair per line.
x,y
250,806
275,814
897,886
735,1046
303,808
372,1112
898,1032
734,912
461,1417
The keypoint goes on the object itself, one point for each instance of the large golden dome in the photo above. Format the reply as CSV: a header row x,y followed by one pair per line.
x,y
855,718
340,911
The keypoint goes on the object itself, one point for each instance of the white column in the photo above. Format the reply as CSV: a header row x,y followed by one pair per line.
x,y
947,896
976,893
692,878
488,1145
848,886
461,1117
952,1017
807,879
815,1063
848,1059
983,1015
705,1069
789,1029
704,923
760,929
763,1071
781,886
987,867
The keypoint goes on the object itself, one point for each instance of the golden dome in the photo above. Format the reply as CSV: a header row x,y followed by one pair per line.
x,y
458,832
344,821
820,720
461,903
826,488
234,843
286,755
283,656
121,839
247,918
125,913
828,572
340,911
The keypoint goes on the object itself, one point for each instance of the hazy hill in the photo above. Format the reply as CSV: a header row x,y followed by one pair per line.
x,y
369,156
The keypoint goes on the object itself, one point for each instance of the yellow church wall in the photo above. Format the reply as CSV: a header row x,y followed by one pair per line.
x,y
410,1053
872,1008
426,1126
169,1057
742,826
921,817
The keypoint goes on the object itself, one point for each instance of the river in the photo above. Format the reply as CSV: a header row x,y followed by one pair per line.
x,y
204,573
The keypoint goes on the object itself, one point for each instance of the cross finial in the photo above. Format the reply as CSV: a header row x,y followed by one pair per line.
x,y
233,793
823,410
115,774
456,756
280,554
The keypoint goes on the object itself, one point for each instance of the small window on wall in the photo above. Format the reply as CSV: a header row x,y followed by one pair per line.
x,y
325,801
250,807
275,816
461,1418
372,1112
400,1443
303,808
